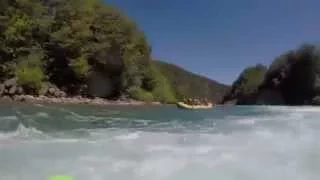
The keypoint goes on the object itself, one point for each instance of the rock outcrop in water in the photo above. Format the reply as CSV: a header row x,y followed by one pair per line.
x,y
292,79
82,48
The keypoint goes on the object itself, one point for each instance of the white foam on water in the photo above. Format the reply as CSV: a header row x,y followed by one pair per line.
x,y
77,117
21,133
130,136
42,115
204,149
283,145
2,118
246,121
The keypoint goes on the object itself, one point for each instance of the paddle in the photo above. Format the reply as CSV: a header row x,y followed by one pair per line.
x,y
61,178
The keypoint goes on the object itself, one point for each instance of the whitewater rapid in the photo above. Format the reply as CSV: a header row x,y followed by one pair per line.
x,y
228,143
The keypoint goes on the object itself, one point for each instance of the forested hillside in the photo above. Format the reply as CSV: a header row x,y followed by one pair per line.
x,y
188,84
88,48
293,78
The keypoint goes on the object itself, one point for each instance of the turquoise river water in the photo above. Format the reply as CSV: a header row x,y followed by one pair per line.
x,y
159,143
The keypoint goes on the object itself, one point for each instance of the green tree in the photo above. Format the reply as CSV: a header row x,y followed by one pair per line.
x,y
65,42
140,94
29,73
247,83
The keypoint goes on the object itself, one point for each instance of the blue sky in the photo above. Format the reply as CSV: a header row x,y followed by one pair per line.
x,y
218,38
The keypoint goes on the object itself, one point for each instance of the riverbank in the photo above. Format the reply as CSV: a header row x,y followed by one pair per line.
x,y
75,100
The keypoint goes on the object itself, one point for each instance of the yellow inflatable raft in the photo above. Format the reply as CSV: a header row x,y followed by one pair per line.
x,y
187,106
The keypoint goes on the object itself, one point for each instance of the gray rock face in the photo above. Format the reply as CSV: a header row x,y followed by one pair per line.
x,y
317,84
100,85
269,97
316,100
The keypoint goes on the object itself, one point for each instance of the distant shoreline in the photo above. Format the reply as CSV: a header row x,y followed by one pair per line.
x,y
75,100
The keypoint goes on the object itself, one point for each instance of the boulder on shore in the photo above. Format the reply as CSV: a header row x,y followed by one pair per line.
x,y
2,88
51,90
10,82
10,88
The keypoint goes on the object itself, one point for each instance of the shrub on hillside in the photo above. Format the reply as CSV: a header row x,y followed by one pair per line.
x,y
29,73
140,94
80,66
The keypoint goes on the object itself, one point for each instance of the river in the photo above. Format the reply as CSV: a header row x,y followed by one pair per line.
x,y
159,143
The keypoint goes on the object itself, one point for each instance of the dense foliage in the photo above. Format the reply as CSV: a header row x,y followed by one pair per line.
x,y
247,83
187,84
292,79
83,47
